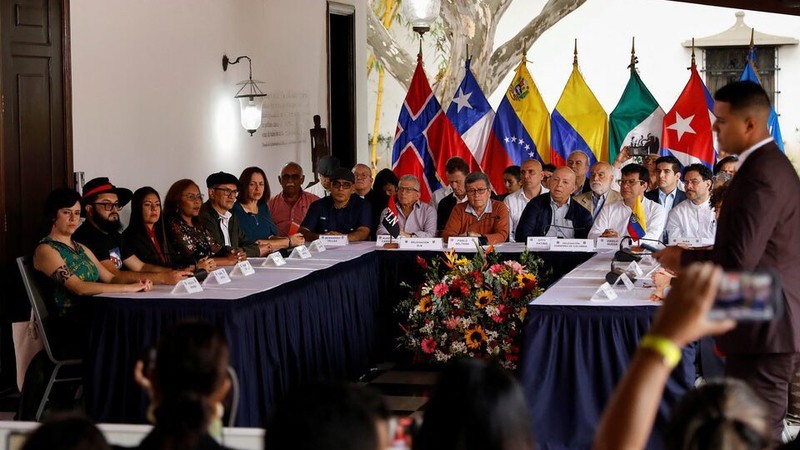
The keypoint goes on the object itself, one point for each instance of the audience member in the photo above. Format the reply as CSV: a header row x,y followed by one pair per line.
x,y
727,165
512,180
66,432
329,417
480,216
600,181
145,235
456,171
531,173
694,218
716,199
649,163
613,219
187,386
191,241
668,194
385,186
555,213
325,167
216,217
547,172
363,176
340,213
253,213
720,179
475,406
291,204
579,162
416,219
101,204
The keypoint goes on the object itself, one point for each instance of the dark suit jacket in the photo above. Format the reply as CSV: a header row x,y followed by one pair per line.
x,y
537,216
759,227
653,195
444,209
210,220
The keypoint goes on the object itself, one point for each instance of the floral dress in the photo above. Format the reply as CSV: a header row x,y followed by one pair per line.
x,y
79,264
191,242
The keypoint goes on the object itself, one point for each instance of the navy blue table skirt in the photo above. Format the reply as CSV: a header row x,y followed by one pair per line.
x,y
573,358
318,327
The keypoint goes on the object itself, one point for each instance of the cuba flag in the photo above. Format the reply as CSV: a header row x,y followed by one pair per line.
x,y
471,115
425,139
750,73
579,123
686,133
521,129
637,224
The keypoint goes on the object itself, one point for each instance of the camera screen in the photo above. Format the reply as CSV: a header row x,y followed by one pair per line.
x,y
745,296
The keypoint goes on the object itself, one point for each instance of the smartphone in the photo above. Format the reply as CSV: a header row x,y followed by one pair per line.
x,y
748,297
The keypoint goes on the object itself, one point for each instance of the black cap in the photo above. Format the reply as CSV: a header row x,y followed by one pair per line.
x,y
215,179
343,174
97,186
327,164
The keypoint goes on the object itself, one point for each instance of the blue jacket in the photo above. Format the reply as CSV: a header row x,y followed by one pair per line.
x,y
537,216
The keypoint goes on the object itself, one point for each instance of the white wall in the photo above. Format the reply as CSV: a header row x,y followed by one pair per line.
x,y
604,29
151,103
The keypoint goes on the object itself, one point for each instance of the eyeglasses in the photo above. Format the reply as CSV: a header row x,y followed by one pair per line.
x,y
194,197
108,206
474,192
407,189
341,185
227,192
693,182
629,182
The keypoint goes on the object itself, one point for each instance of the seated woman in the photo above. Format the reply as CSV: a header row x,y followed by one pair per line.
x,y
145,234
192,243
186,387
253,213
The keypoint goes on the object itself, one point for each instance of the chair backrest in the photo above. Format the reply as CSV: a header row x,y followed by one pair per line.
x,y
36,298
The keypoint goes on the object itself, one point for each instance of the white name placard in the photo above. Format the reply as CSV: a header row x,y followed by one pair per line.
x,y
300,252
690,241
626,281
608,243
243,268
219,276
334,240
540,242
187,286
573,245
604,293
421,244
317,246
383,239
463,243
634,268
274,259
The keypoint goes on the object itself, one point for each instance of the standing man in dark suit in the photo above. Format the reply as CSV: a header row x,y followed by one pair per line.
x,y
555,213
759,227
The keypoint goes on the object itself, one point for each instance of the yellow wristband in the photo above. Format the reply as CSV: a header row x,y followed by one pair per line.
x,y
669,351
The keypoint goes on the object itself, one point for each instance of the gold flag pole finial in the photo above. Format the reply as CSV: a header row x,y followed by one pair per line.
x,y
752,39
694,63
634,59
575,54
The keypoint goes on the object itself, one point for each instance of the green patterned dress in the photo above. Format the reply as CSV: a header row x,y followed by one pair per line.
x,y
78,263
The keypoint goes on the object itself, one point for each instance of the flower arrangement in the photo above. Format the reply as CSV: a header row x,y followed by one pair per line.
x,y
470,307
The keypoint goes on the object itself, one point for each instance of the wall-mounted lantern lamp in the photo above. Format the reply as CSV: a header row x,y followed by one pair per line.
x,y
421,13
249,95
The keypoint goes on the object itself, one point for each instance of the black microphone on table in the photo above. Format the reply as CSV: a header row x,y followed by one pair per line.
x,y
626,255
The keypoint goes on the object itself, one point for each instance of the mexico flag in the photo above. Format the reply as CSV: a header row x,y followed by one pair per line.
x,y
636,120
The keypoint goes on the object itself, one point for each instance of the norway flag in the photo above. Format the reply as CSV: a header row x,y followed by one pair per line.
x,y
425,139
687,126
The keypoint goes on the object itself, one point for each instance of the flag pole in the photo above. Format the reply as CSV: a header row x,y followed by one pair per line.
x,y
575,54
634,60
693,57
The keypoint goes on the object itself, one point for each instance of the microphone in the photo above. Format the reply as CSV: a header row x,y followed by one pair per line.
x,y
613,276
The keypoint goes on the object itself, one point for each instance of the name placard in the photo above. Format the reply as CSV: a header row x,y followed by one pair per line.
x,y
626,281
317,246
187,286
463,243
539,242
608,243
416,243
604,293
690,241
334,240
300,252
634,268
383,239
274,259
243,268
573,245
219,276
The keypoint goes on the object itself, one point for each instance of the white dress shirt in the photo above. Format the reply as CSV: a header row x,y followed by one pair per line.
x,y
615,216
560,226
317,190
687,220
743,156
439,194
224,219
515,203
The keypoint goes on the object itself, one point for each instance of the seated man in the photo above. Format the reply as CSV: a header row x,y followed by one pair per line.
x,y
579,162
216,217
613,219
668,194
531,173
480,216
555,213
291,204
416,219
340,213
694,218
101,204
325,167
600,181
456,171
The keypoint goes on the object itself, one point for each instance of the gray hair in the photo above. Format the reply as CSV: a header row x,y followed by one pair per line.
x,y
477,176
409,177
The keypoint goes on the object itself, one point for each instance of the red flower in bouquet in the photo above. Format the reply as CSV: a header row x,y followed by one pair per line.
x,y
459,288
476,277
422,263
440,290
428,345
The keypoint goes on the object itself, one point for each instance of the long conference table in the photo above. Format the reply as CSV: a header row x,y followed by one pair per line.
x,y
329,317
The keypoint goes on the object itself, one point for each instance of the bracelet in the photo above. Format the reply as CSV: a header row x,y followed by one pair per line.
x,y
669,351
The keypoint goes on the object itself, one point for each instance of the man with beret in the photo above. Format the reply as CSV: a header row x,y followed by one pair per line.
x,y
101,203
325,167
216,217
340,213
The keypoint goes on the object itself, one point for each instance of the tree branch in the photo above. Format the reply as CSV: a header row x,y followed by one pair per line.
x,y
393,58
